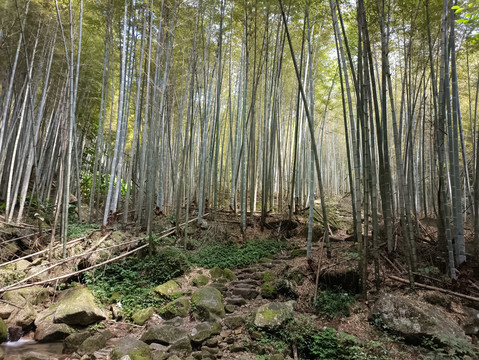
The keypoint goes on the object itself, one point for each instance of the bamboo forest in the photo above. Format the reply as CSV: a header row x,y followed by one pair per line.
x,y
222,179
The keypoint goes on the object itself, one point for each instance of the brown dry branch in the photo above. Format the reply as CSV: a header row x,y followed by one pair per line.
x,y
429,287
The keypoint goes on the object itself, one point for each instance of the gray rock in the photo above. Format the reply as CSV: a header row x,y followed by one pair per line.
x,y
163,334
33,355
141,316
182,346
47,331
201,332
208,303
23,317
246,292
235,300
132,347
233,322
73,341
414,320
94,343
76,306
273,314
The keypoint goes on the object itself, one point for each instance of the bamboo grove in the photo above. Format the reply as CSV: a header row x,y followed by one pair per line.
x,y
141,109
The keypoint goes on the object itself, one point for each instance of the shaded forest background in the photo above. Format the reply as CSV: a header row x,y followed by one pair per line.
x,y
121,111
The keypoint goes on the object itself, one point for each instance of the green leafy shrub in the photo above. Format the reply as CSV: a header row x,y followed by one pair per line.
x,y
334,304
230,255
132,279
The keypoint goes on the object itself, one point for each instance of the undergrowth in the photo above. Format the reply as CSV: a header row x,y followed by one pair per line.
x,y
230,255
312,342
130,281
333,304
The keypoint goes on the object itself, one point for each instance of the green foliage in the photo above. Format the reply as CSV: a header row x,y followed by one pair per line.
x,y
102,181
76,230
333,304
134,278
230,255
320,344
449,347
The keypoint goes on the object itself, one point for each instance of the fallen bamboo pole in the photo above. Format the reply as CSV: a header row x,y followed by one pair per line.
x,y
169,232
429,287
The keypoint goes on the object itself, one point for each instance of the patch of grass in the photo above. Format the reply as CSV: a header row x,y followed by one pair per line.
x,y
230,255
132,279
76,230
333,304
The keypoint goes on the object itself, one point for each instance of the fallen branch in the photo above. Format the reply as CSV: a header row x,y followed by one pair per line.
x,y
169,232
62,262
429,287
75,272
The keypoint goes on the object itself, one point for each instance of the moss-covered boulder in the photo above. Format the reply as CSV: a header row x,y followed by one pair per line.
x,y
167,290
141,316
178,307
216,273
273,314
163,334
76,306
268,291
129,346
200,280
229,275
298,253
207,304
414,320
33,295
268,276
3,331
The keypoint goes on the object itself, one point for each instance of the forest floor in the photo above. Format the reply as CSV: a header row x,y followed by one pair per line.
x,y
279,250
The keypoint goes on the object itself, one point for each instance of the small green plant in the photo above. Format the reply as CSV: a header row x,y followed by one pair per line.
x,y
334,304
230,255
130,281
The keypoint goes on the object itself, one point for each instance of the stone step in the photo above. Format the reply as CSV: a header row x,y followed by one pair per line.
x,y
239,283
235,300
246,293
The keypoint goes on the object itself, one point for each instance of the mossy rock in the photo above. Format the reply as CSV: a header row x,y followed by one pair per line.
x,y
73,341
229,275
268,276
167,290
216,273
3,331
33,295
200,280
273,314
298,253
207,303
178,307
268,291
264,260
141,316
135,349
76,306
